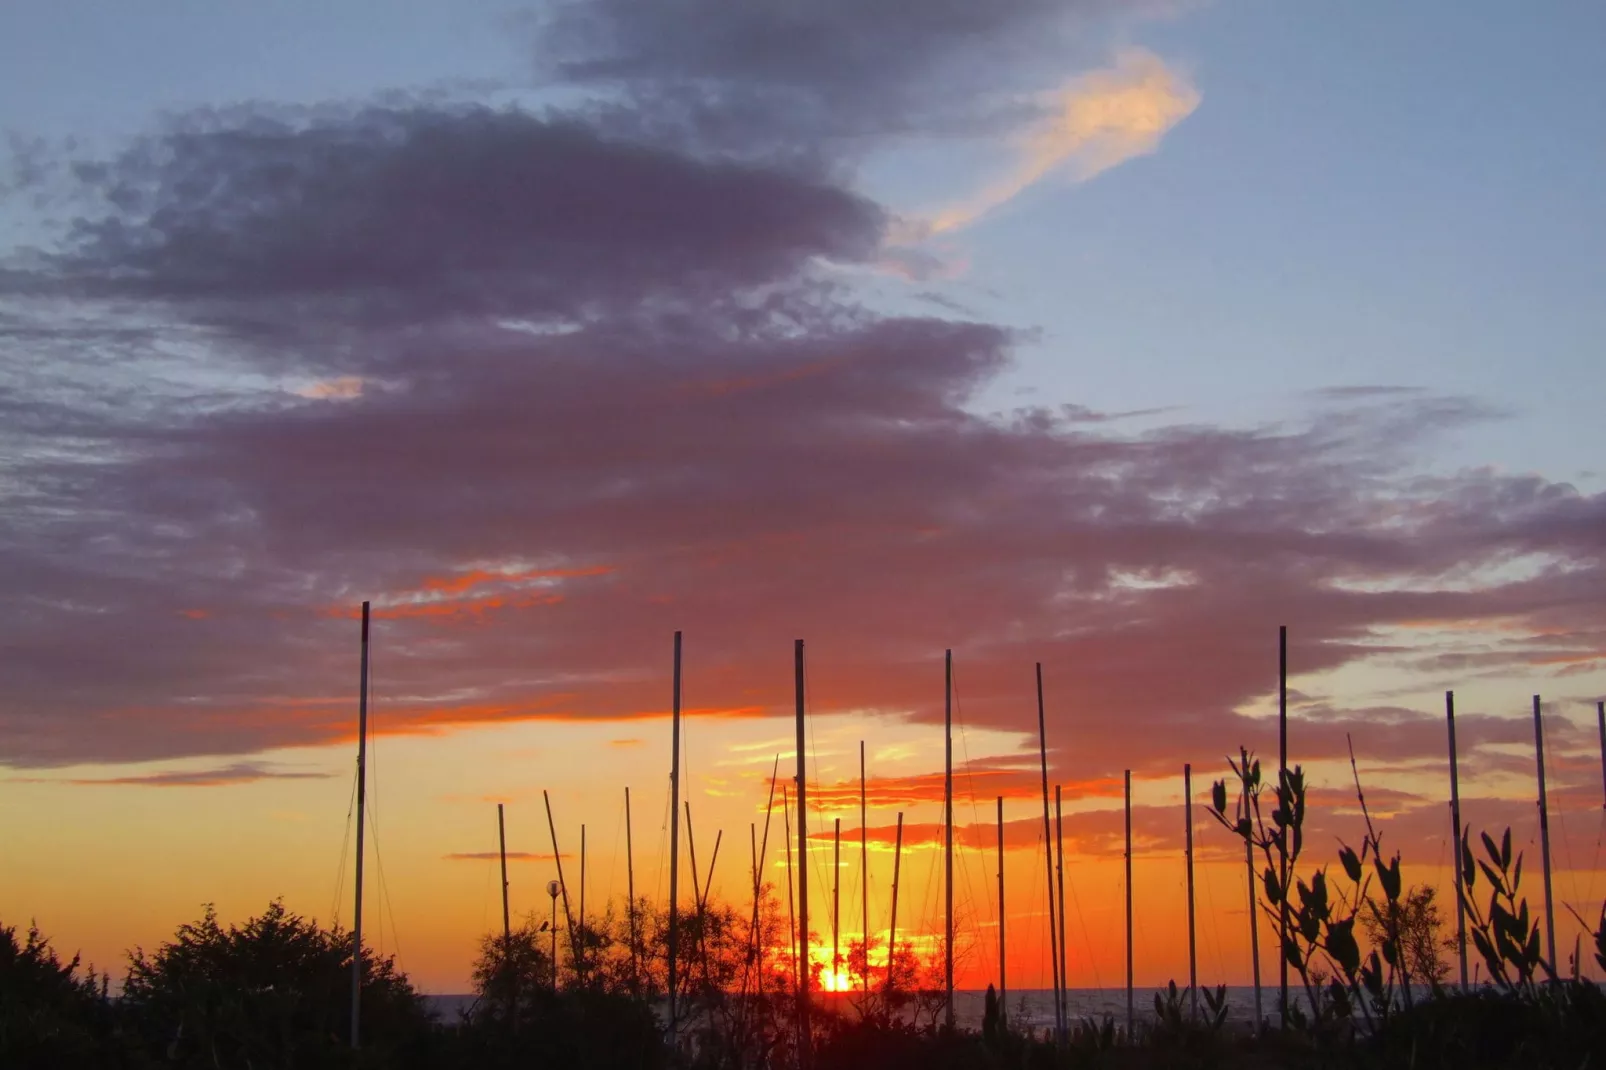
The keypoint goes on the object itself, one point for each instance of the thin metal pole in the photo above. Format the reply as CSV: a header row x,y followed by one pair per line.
x,y
563,886
791,915
1254,911
1048,864
674,839
1003,983
630,905
1193,957
713,860
362,803
580,963
803,1032
864,872
697,890
752,941
756,947
1282,773
501,849
892,929
948,838
836,898
1455,840
1600,717
702,906
1129,1008
1059,838
691,851
1544,834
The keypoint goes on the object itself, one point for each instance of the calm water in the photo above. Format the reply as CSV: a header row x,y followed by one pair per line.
x,y
1033,1007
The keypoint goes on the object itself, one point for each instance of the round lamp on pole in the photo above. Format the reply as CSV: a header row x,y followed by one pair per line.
x,y
554,889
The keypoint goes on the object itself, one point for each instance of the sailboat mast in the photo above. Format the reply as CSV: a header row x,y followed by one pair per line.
x,y
864,871
630,902
836,898
892,929
1129,1006
674,837
1003,986
948,837
1600,717
760,853
1048,863
1254,924
362,804
1193,957
501,850
1455,840
791,908
802,860
1282,779
580,965
1059,838
1544,833
563,887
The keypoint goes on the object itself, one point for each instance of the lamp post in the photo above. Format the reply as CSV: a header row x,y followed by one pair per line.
x,y
553,889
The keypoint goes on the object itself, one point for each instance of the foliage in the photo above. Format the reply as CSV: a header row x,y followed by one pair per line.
x,y
1503,932
512,968
272,992
1418,926
50,1015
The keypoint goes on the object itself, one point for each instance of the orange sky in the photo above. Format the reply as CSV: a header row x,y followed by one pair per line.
x,y
109,857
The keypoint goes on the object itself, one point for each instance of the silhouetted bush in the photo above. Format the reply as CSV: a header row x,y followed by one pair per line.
x,y
50,1015
273,992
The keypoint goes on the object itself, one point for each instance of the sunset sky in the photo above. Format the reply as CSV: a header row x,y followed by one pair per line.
x,y
1105,335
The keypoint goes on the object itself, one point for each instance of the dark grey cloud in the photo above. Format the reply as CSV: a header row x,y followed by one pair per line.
x,y
317,223
223,776
835,75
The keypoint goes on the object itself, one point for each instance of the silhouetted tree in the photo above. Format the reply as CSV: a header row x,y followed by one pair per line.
x,y
1416,919
273,992
50,1015
521,1020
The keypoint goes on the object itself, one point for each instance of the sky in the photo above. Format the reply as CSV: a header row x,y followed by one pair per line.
x,y
1107,336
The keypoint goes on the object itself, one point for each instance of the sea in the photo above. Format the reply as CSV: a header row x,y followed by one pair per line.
x,y
1032,1008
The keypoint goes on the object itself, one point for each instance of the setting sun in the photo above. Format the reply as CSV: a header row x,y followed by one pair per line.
x,y
836,981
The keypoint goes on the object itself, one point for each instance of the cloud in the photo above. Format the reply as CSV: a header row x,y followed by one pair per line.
x,y
1093,123
223,776
608,393
347,220
985,779
512,856
826,77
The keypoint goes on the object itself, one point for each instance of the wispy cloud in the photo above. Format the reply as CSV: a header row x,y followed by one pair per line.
x,y
1093,123
512,856
224,776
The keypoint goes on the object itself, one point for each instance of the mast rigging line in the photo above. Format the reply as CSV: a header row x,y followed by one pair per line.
x,y
345,849
387,903
970,787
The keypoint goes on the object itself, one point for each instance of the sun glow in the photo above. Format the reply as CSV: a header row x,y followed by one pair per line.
x,y
836,981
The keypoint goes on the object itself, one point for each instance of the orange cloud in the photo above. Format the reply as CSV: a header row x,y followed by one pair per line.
x,y
981,783
512,856
237,773
1096,122
464,581
447,597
